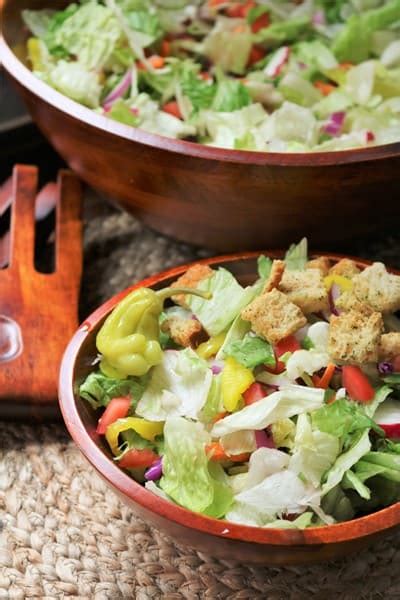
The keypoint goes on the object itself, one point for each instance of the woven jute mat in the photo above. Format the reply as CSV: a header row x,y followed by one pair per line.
x,y
63,534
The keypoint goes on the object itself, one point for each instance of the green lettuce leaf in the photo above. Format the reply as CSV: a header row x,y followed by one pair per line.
x,y
230,95
301,522
342,418
121,112
98,389
351,481
314,452
251,351
214,404
179,386
228,299
280,32
89,33
287,402
360,447
297,256
264,266
353,43
227,48
187,478
38,21
337,504
76,82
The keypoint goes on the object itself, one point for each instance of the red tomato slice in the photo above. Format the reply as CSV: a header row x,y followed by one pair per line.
x,y
260,23
135,458
357,384
117,409
254,393
173,109
256,54
288,344
238,10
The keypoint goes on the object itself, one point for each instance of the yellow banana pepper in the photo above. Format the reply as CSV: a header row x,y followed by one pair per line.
x,y
210,347
345,284
234,381
146,429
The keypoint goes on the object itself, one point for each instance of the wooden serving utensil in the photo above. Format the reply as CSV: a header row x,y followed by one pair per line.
x,y
38,311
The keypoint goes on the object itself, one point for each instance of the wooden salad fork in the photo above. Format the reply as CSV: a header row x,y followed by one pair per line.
x,y
38,311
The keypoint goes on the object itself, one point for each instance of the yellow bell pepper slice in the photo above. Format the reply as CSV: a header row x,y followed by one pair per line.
x,y
345,284
210,347
235,380
146,429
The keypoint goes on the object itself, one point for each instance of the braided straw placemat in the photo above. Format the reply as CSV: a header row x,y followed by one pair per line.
x,y
63,534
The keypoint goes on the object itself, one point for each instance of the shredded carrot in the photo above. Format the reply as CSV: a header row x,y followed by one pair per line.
x,y
324,88
216,453
345,66
173,109
165,48
325,380
157,62
220,416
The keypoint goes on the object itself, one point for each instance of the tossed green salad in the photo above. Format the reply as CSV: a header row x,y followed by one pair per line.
x,y
265,75
271,405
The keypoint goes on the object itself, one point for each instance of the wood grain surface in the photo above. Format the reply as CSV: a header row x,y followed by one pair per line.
x,y
41,309
223,199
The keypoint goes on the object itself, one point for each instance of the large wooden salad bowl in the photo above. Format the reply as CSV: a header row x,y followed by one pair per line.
x,y
216,537
223,199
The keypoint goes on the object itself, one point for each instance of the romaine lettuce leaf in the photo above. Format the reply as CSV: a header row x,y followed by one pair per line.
x,y
121,112
287,402
297,256
214,404
342,418
278,494
314,452
360,447
187,478
76,82
98,389
179,386
251,351
38,21
230,95
228,299
228,48
263,463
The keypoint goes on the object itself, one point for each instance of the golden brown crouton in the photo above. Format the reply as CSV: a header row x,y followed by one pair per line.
x,y
354,337
322,263
306,289
274,279
273,316
191,279
389,346
185,332
346,268
349,301
378,288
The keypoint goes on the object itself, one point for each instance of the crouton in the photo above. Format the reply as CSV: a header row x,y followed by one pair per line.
x,y
354,337
274,279
322,263
378,288
306,289
389,347
185,332
273,316
349,301
191,279
346,268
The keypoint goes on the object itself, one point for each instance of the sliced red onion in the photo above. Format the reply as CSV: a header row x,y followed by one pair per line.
x,y
277,62
216,367
333,295
263,440
334,125
119,91
154,472
385,368
319,18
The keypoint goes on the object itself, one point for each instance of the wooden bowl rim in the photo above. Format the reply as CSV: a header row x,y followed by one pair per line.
x,y
64,104
360,527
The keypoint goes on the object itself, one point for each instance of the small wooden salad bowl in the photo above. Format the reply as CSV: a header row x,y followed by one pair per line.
x,y
223,199
216,537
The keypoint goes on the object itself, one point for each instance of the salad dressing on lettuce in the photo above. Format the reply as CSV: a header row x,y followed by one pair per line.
x,y
260,75
271,405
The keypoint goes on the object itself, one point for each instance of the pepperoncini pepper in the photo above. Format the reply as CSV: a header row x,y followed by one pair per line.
x,y
129,338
